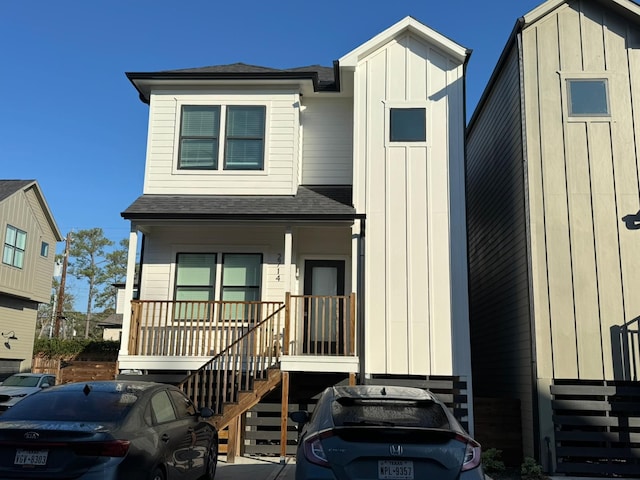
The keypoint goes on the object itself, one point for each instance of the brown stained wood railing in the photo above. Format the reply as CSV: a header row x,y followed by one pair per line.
x,y
190,328
322,325
236,368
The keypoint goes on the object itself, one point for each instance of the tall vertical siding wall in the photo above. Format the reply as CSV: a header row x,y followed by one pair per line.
x,y
498,274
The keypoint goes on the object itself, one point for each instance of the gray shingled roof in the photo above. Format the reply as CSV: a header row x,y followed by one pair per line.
x,y
310,203
326,75
9,187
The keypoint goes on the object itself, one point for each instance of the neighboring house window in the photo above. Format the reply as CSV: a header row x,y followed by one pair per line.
x,y
242,127
199,135
407,125
15,243
44,249
588,97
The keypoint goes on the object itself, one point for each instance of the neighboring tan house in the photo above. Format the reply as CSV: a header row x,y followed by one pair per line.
x,y
305,224
553,162
29,235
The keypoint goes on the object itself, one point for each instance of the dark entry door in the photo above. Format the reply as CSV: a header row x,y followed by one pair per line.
x,y
323,313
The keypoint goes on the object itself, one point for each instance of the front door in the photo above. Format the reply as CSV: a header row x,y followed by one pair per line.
x,y
323,312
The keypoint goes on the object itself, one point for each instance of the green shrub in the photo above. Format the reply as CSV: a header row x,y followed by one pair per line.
x,y
492,461
530,470
76,348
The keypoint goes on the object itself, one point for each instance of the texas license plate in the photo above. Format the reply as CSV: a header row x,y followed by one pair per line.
x,y
31,457
395,470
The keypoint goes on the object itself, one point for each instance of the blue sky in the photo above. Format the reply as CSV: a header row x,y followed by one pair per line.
x,y
70,119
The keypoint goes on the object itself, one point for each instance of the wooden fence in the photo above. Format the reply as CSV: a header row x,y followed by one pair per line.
x,y
67,371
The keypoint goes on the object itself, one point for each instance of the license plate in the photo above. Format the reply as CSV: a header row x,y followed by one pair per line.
x,y
395,470
31,457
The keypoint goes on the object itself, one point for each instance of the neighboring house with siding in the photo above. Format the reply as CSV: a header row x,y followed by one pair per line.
x,y
324,205
29,235
553,199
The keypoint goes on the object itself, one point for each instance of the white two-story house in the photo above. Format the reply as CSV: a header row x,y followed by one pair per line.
x,y
304,226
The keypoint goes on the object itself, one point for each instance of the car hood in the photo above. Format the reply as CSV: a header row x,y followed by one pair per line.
x,y
13,391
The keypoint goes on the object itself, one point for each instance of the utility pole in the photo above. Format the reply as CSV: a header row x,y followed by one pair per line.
x,y
63,279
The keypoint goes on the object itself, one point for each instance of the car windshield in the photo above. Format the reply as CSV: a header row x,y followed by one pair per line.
x,y
21,381
73,406
376,412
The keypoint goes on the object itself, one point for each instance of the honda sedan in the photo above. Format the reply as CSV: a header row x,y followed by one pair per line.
x,y
384,433
108,430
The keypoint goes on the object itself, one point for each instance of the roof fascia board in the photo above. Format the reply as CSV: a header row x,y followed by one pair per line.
x,y
351,59
144,82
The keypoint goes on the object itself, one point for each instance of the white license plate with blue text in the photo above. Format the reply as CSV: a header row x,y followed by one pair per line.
x,y
395,470
31,457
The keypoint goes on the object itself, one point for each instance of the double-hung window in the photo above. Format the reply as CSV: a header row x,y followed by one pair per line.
x,y
196,284
15,244
241,127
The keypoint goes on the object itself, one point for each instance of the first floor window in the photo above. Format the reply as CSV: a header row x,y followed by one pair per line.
x,y
195,285
15,244
195,282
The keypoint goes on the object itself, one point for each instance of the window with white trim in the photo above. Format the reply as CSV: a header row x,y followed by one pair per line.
x,y
195,284
240,127
588,97
15,244
407,124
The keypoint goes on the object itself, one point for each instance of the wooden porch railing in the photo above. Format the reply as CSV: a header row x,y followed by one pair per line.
x,y
238,366
321,325
187,328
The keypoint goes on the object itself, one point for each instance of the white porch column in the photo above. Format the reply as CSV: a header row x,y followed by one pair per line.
x,y
288,258
128,290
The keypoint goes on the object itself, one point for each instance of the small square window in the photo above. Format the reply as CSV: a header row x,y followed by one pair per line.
x,y
408,125
588,98
44,249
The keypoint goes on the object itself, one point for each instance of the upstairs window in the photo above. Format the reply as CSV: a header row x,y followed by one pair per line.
x,y
242,127
44,249
407,125
199,137
15,244
245,138
588,97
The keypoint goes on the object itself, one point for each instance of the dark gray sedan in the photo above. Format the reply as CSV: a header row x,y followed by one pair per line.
x,y
108,430
383,433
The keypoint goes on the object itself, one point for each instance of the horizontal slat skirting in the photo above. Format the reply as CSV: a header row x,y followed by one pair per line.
x,y
601,406
596,453
596,421
612,437
604,390
593,469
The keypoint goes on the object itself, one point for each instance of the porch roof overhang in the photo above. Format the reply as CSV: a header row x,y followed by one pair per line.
x,y
310,203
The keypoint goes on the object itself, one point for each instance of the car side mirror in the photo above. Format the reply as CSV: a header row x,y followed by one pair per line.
x,y
301,416
44,385
206,412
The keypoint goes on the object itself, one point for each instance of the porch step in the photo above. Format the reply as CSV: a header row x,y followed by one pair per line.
x,y
248,398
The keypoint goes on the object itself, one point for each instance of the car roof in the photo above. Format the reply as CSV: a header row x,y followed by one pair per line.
x,y
382,392
114,386
33,375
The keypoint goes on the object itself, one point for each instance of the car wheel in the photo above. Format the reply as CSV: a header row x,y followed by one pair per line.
x,y
158,474
212,462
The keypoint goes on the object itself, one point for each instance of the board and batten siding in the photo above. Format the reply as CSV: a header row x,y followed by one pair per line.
x,y
584,178
23,210
498,256
327,141
281,146
413,197
18,316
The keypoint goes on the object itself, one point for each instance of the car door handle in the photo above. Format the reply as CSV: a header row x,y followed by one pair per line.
x,y
165,438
